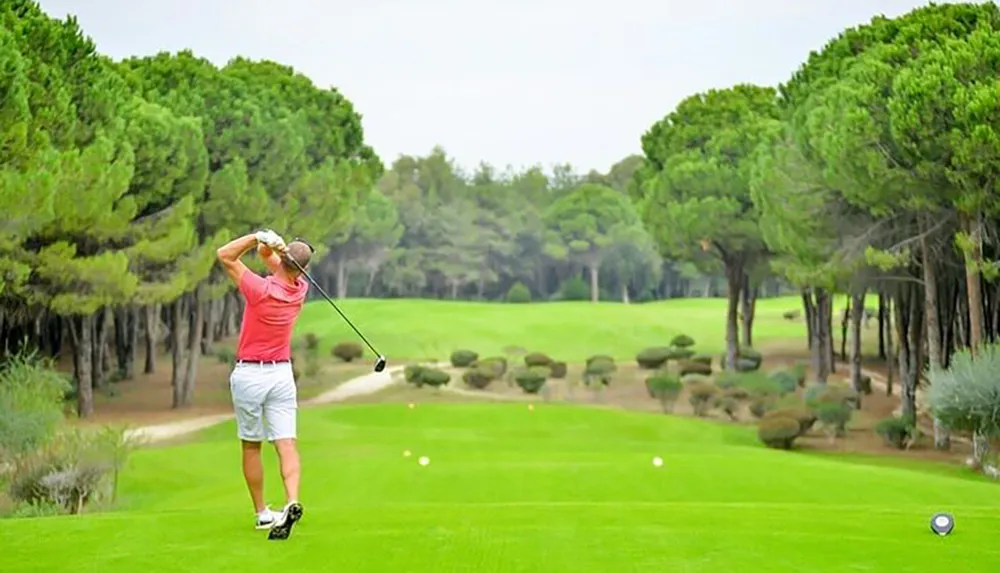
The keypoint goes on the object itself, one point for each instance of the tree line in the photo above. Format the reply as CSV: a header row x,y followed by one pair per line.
x,y
868,174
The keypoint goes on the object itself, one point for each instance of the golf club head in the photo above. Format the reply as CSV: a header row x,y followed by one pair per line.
x,y
380,363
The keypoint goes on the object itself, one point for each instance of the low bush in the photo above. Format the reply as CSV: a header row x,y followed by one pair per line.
x,y
736,393
463,358
31,402
225,355
727,405
311,341
518,293
761,405
700,397
574,288
834,416
348,351
800,370
654,357
600,358
866,385
600,367
689,367
804,416
666,388
412,374
895,432
755,383
778,432
679,354
537,359
787,381
747,360
496,364
818,394
791,314
434,377
682,341
479,377
702,359
531,380
689,379
558,370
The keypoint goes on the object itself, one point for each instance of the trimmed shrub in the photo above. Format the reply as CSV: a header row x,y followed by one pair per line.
x,y
804,416
866,385
727,405
311,341
682,341
689,379
747,360
736,393
818,394
682,354
700,397
531,380
688,367
761,405
665,388
558,370
787,381
463,358
702,359
600,367
800,370
791,314
778,432
654,357
755,383
896,432
518,293
348,351
600,358
225,355
412,374
834,416
728,379
537,359
496,364
574,288
434,377
478,378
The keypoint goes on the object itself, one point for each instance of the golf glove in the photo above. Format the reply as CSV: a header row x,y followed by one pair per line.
x,y
270,238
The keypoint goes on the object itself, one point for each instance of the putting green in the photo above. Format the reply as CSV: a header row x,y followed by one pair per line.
x,y
559,488
572,331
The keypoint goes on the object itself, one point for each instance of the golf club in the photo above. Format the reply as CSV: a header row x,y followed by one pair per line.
x,y
380,361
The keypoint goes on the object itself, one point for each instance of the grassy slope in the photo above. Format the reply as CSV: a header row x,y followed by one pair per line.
x,y
555,489
420,329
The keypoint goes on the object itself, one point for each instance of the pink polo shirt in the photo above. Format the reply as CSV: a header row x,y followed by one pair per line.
x,y
272,306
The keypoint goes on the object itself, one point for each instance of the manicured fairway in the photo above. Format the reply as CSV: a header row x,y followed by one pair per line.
x,y
571,331
556,489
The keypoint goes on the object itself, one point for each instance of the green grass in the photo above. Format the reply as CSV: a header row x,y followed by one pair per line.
x,y
557,489
420,329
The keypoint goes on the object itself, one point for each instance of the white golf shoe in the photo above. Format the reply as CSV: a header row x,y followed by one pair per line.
x,y
266,518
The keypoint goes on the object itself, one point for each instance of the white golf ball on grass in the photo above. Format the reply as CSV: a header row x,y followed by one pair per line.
x,y
406,453
657,461
424,460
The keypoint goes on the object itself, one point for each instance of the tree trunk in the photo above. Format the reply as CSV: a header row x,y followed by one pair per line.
x,y
822,340
845,321
194,346
942,440
890,351
809,311
831,357
748,299
908,314
857,314
152,336
179,347
126,340
81,330
341,270
734,278
595,290
625,298
371,282
973,261
881,327
211,316
99,347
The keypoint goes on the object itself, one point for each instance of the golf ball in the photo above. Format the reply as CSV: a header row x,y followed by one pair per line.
x,y
657,461
531,406
412,405
424,460
406,454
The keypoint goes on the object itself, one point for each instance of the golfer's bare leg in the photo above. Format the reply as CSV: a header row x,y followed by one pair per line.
x,y
288,456
253,472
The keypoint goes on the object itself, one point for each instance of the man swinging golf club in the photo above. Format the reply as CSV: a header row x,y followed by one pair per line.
x,y
262,384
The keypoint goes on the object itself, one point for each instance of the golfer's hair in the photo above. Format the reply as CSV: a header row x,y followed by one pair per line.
x,y
299,251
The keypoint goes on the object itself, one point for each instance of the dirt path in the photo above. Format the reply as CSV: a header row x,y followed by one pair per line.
x,y
367,384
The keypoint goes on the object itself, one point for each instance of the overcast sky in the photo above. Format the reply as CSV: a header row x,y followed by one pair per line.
x,y
509,82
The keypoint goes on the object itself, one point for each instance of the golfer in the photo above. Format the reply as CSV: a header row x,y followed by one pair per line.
x,y
262,383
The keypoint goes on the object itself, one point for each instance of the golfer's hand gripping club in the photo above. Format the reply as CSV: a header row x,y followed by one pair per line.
x,y
380,362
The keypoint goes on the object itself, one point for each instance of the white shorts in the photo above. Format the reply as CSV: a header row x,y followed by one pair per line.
x,y
265,401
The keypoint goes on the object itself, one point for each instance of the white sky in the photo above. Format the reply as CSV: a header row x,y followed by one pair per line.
x,y
509,82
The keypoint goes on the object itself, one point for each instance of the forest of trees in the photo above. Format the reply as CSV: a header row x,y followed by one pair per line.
x,y
870,174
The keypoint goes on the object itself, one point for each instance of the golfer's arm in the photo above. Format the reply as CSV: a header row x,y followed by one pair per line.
x,y
271,259
230,253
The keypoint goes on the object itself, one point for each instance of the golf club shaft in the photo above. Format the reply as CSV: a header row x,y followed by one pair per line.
x,y
333,304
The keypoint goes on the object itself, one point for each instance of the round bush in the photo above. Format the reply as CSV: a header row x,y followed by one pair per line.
x,y
700,396
478,378
736,393
434,377
557,370
778,432
682,354
747,360
537,359
348,351
600,358
804,416
791,314
688,367
761,405
800,370
664,386
600,367
412,374
818,394
728,379
701,359
727,405
574,288
530,380
311,340
866,385
834,416
518,293
463,358
787,381
694,378
896,432
653,358
682,341
496,364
